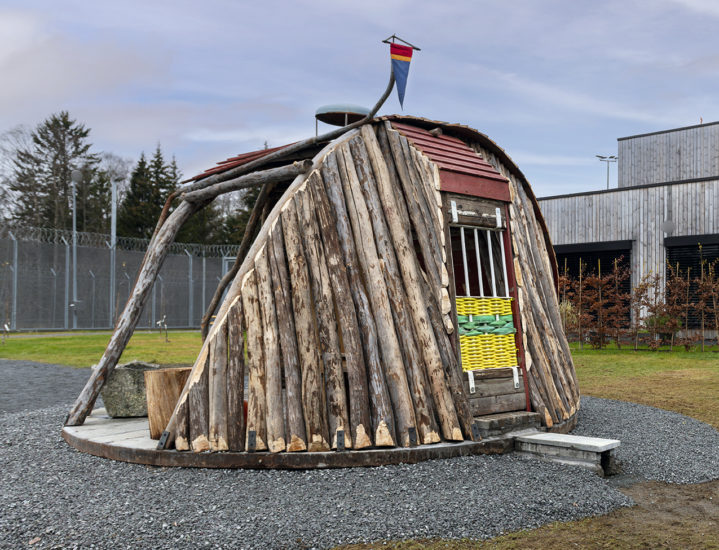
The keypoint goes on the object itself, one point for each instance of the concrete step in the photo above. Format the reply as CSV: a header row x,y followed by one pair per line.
x,y
594,453
494,425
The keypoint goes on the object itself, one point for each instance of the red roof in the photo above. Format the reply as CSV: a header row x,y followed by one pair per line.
x,y
233,162
449,153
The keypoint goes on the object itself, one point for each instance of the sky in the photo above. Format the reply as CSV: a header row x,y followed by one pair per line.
x,y
552,82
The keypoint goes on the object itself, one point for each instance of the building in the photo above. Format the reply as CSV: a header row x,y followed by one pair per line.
x,y
665,206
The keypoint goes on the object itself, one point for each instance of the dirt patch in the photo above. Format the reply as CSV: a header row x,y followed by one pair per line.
x,y
665,516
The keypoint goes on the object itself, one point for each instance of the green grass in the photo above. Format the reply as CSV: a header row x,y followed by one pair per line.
x,y
85,349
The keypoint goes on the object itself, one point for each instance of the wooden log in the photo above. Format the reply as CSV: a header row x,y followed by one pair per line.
x,y
272,175
182,432
416,379
250,229
313,395
324,311
418,308
416,215
377,291
382,414
295,422
271,348
359,416
235,378
162,390
154,258
198,405
256,404
218,390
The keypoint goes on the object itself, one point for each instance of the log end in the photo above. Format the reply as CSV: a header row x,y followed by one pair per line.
x,y
362,440
457,434
181,444
200,444
277,445
318,444
431,437
548,418
219,443
296,444
382,437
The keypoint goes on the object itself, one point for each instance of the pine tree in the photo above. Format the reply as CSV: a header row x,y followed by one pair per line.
x,y
142,204
40,183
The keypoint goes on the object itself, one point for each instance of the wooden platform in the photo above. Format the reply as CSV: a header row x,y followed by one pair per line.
x,y
129,440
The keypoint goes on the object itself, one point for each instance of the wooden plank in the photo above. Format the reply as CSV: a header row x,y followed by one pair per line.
x,y
326,323
411,359
235,378
256,405
313,394
359,403
198,405
492,386
218,390
481,406
381,410
296,436
418,308
379,300
271,348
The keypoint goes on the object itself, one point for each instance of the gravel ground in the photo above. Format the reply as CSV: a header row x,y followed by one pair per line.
x,y
58,497
656,444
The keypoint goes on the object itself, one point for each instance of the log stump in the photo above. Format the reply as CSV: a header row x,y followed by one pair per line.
x,y
163,387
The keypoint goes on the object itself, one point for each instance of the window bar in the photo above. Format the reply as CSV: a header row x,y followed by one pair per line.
x,y
491,263
504,266
464,263
479,264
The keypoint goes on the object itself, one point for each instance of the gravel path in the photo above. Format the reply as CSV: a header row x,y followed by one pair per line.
x,y
68,499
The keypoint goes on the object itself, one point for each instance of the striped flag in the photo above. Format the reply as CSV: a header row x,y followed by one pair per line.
x,y
401,57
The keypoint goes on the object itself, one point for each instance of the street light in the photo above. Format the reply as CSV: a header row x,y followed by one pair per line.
x,y
76,178
611,158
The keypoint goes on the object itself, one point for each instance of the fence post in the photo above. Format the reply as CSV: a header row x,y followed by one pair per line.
x,y
152,314
204,262
111,246
189,282
13,311
92,309
67,283
162,295
54,295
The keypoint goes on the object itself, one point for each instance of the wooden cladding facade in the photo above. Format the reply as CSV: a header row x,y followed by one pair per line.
x,y
342,314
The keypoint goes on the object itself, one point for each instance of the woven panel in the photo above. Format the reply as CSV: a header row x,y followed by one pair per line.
x,y
484,306
487,351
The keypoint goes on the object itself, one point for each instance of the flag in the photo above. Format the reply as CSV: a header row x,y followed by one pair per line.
x,y
401,57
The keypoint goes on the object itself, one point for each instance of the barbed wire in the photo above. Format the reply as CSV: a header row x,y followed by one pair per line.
x,y
102,240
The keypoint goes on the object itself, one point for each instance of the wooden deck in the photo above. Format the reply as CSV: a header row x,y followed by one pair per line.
x,y
128,440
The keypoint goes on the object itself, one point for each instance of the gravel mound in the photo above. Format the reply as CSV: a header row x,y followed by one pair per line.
x,y
656,444
70,499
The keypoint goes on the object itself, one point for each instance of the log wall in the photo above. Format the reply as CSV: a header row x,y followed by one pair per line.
x,y
345,327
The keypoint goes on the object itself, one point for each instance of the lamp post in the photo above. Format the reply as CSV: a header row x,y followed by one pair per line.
x,y
76,178
607,159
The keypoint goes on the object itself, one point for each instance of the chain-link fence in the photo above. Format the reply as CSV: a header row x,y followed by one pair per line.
x,y
37,274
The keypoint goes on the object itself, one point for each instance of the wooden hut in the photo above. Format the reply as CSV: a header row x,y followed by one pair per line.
x,y
410,252
401,286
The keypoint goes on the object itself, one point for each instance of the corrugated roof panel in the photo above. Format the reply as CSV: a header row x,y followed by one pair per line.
x,y
449,153
233,162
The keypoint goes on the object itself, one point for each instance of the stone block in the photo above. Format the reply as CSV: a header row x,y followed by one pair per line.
x,y
124,391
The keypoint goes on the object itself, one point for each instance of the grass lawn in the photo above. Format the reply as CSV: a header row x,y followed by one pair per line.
x,y
85,349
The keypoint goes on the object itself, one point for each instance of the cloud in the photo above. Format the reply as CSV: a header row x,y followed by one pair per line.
x,y
47,70
702,7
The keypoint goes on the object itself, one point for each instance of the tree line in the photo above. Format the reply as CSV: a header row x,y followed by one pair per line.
x,y
36,186
597,308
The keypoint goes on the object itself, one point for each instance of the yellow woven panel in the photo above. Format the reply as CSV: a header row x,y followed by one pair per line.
x,y
484,306
486,351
